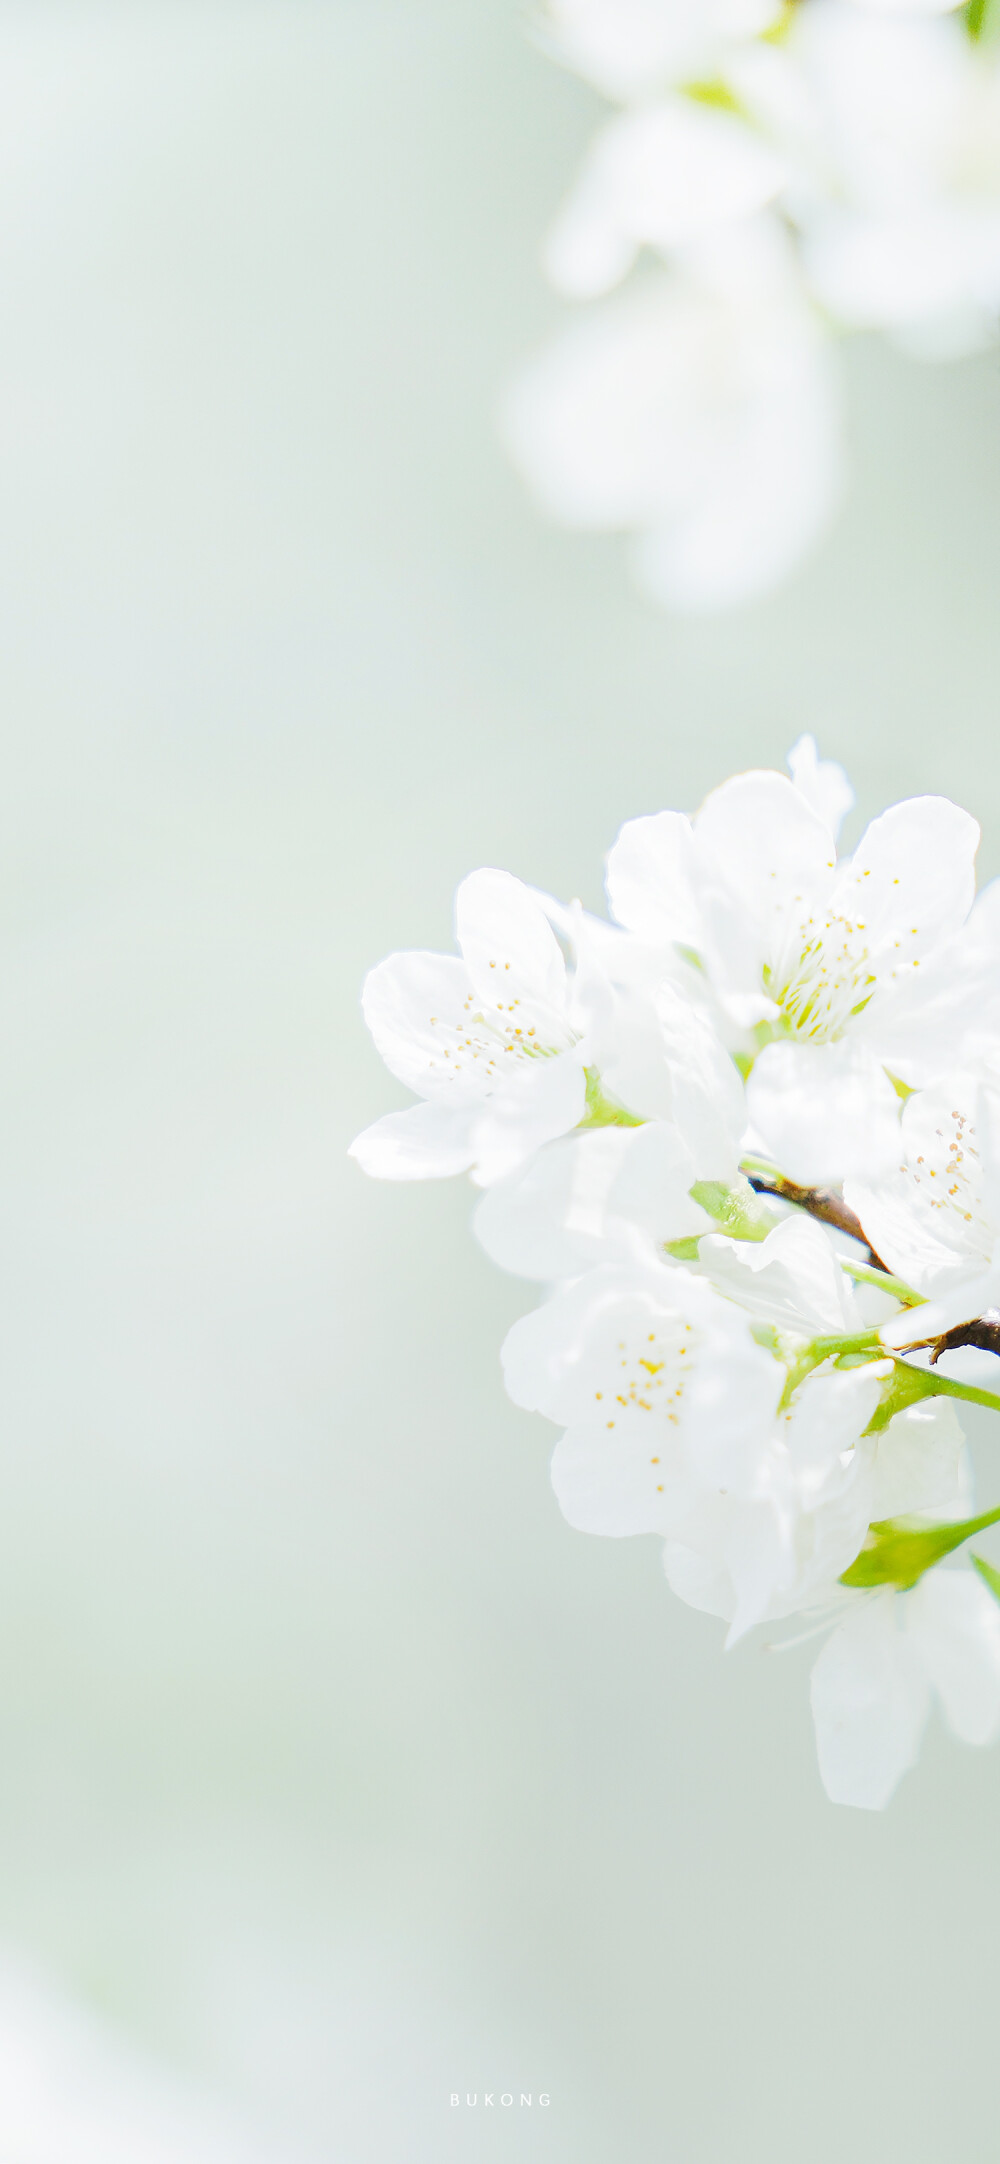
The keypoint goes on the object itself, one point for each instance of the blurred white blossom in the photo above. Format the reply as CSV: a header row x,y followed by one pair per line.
x,y
631,48
798,172
699,410
873,1682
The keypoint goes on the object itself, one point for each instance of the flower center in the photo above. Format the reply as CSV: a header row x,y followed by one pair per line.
x,y
482,1040
946,1177
823,976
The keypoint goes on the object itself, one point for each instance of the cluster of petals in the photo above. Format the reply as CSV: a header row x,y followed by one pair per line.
x,y
776,175
746,1134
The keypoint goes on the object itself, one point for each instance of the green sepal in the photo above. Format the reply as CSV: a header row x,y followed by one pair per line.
x,y
982,19
857,1351
989,1576
906,1386
602,1111
736,1209
899,1550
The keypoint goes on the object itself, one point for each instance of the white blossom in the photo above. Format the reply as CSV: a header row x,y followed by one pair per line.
x,y
494,1042
894,156
789,1548
699,411
675,1423
873,1682
856,970
631,48
935,1218
752,1377
661,177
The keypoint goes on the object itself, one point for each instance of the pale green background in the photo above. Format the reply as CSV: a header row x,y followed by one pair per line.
x,y
335,1768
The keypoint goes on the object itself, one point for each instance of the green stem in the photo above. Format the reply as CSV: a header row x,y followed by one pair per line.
x,y
942,1386
884,1280
824,1348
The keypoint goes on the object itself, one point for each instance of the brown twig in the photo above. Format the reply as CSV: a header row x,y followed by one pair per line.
x,y
822,1202
984,1333
830,1207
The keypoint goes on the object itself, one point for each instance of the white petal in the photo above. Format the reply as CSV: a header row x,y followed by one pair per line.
x,y
555,1359
921,1464
703,1581
963,1300
585,1199
912,878
953,1621
708,1102
417,1007
697,408
429,1141
729,1406
596,423
630,47
540,1100
929,1221
510,949
758,512
758,844
650,878
827,1417
952,1000
909,7
616,1480
822,782
792,1279
549,1219
760,839
826,1113
870,1702
639,1337
657,176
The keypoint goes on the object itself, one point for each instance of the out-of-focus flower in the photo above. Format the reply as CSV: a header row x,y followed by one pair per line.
x,y
890,126
700,413
633,48
873,1682
77,2091
659,177
697,410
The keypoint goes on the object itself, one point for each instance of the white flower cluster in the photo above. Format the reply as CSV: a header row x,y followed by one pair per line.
x,y
748,1133
788,170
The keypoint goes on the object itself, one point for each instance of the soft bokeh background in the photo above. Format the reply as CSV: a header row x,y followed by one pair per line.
x,y
338,1774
